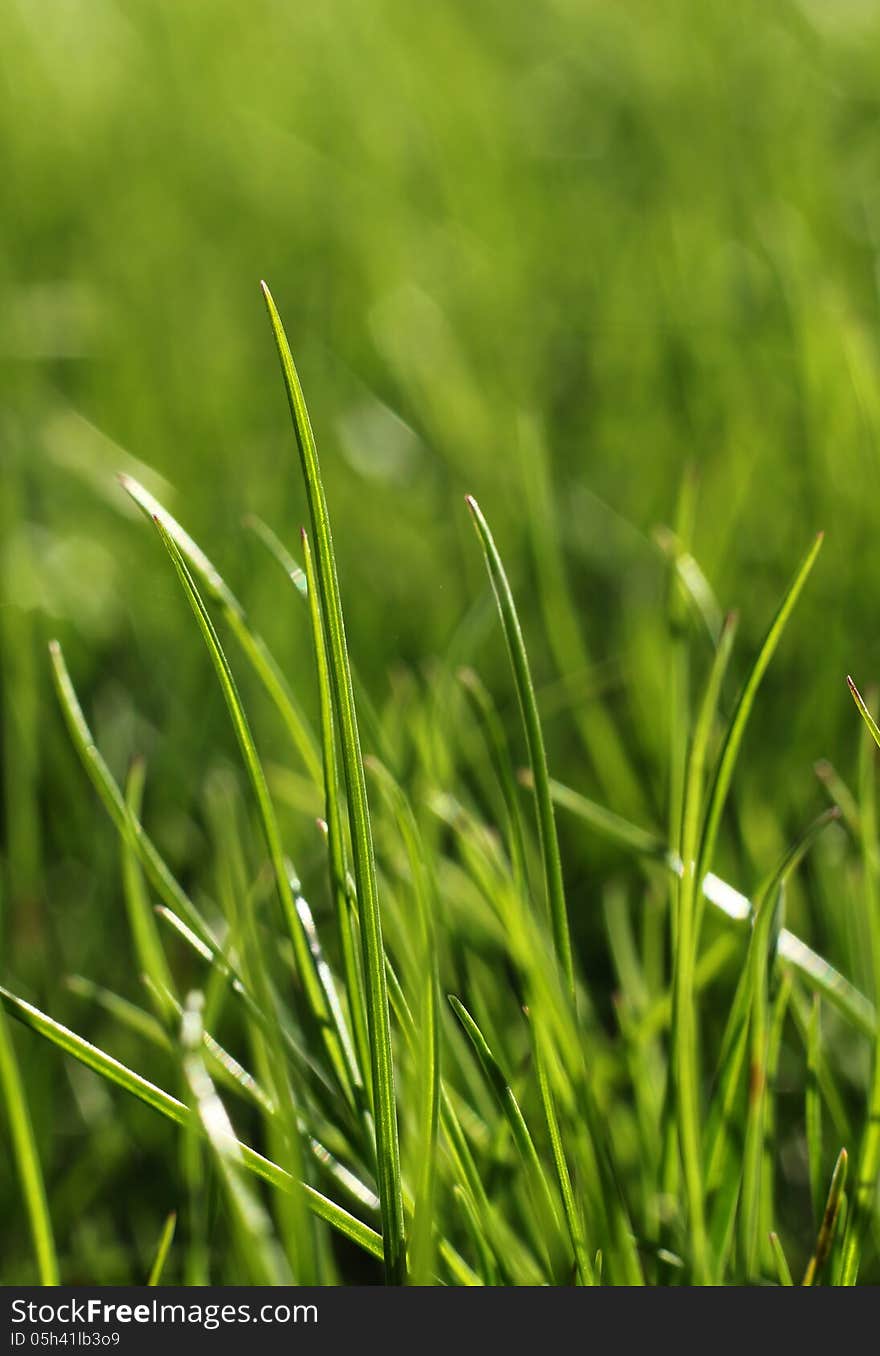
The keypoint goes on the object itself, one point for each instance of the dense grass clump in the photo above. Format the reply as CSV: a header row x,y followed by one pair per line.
x,y
515,1136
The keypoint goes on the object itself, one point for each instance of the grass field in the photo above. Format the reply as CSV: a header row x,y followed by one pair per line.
x,y
446,912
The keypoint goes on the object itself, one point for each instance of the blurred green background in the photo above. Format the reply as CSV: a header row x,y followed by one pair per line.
x,y
615,241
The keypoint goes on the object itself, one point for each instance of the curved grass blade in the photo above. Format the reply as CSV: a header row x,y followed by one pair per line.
x,y
378,1017
115,1072
736,729
685,940
253,645
553,881
165,1240
306,967
27,1159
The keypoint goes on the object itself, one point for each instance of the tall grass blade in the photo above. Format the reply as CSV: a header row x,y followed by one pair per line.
x,y
553,881
27,1159
378,1017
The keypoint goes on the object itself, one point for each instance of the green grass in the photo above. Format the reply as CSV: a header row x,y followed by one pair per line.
x,y
269,819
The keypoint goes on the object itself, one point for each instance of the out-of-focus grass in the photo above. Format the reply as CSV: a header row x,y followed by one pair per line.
x,y
642,240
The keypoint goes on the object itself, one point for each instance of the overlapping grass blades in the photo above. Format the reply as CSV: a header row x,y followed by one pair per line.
x,y
381,1055
174,1110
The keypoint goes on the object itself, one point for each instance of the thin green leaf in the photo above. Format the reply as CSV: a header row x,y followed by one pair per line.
x,y
165,1240
27,1159
552,861
782,1268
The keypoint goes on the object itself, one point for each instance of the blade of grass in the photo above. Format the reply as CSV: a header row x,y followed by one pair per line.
x,y
553,882
828,1227
141,918
378,1018
27,1159
783,1270
685,1056
165,1240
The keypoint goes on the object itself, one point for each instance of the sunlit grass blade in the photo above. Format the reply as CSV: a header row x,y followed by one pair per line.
x,y
252,1230
27,1159
381,1055
253,646
821,977
828,1226
336,844
553,882
174,1110
306,967
166,1238
745,702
